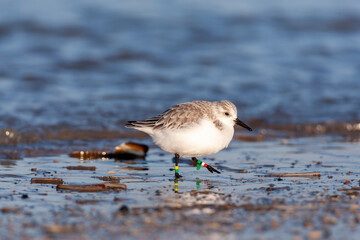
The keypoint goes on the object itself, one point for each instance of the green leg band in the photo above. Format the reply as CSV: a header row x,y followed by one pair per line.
x,y
198,184
198,165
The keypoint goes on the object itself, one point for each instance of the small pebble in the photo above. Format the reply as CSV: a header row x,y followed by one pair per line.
x,y
316,234
124,209
238,226
353,207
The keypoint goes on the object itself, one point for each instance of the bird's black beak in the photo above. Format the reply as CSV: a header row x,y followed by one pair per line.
x,y
240,123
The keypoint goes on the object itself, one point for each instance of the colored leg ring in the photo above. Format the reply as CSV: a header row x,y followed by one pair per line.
x,y
198,165
176,188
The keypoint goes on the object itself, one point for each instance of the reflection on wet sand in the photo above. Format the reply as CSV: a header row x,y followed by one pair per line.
x,y
197,184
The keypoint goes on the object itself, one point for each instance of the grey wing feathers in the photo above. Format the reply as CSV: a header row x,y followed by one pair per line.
x,y
176,117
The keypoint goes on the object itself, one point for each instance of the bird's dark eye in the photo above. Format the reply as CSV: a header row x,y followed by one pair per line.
x,y
227,114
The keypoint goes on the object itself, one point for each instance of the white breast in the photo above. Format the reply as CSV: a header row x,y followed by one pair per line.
x,y
198,140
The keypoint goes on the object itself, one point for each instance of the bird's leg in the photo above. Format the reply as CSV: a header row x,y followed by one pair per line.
x,y
176,185
177,175
200,163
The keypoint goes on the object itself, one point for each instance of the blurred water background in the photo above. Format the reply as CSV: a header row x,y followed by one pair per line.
x,y
80,69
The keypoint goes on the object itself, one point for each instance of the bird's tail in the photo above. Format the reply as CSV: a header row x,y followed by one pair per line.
x,y
130,124
148,123
143,126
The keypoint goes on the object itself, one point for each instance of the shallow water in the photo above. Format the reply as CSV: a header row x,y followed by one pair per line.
x,y
235,203
91,66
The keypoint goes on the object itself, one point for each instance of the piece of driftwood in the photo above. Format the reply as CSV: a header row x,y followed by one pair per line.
x,y
14,209
135,168
47,180
277,188
62,229
84,168
93,187
303,174
86,201
112,179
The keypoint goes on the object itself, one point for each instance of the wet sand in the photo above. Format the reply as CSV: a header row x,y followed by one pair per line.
x,y
247,200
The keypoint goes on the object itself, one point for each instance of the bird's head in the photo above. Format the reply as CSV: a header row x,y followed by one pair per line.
x,y
226,113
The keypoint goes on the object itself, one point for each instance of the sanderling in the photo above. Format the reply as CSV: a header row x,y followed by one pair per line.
x,y
192,129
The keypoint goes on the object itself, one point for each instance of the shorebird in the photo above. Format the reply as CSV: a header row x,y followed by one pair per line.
x,y
192,129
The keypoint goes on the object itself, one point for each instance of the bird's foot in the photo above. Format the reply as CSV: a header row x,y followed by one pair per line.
x,y
211,169
199,163
177,175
